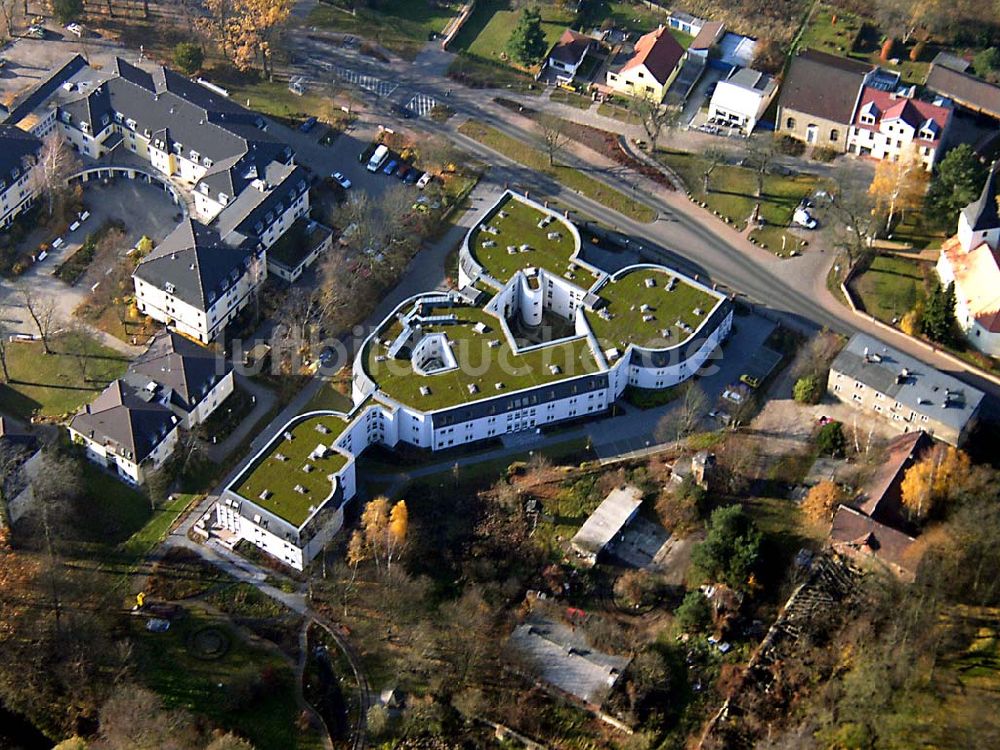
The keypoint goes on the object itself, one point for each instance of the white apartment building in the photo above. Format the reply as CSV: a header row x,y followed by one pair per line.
x,y
449,368
18,154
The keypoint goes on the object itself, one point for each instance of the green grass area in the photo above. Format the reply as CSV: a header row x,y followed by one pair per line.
x,y
118,510
617,113
281,469
155,529
273,99
403,26
217,688
57,384
859,38
562,96
916,229
569,177
487,30
630,300
731,195
628,15
330,399
891,286
295,245
483,74
521,226
246,600
480,365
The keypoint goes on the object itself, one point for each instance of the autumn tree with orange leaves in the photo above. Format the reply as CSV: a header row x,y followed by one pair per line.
x,y
821,501
245,30
934,480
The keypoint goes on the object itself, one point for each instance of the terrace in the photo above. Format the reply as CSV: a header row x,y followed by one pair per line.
x,y
647,315
484,358
549,242
278,480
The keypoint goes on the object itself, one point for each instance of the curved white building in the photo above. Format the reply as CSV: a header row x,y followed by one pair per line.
x,y
536,335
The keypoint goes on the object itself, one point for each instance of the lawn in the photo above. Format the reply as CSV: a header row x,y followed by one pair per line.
x,y
574,100
57,384
487,30
618,113
859,38
571,178
273,99
403,26
731,195
891,286
214,685
117,510
329,398
297,243
282,469
631,16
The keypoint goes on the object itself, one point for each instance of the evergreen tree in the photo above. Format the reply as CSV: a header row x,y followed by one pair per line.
x,y
939,322
731,548
957,182
527,42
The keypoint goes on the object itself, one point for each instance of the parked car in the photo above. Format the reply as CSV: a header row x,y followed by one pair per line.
x,y
35,32
424,180
339,178
804,219
414,175
390,167
750,380
404,169
405,112
75,29
308,125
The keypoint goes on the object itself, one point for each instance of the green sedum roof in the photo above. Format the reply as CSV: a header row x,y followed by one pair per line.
x,y
280,477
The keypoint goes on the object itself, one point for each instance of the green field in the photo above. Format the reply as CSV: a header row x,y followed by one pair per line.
x,y
487,30
629,300
891,286
57,384
328,398
281,469
171,665
569,177
731,195
403,26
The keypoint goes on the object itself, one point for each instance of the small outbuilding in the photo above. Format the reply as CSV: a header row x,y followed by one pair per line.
x,y
600,530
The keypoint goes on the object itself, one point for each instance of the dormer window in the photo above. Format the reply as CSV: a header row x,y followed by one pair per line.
x,y
211,297
223,199
269,218
170,288
85,127
207,162
130,123
195,156
66,117
119,117
15,173
178,148
105,120
258,227
203,187
146,132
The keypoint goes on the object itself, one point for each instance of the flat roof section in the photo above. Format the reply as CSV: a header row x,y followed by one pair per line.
x,y
647,315
610,517
479,364
522,225
278,481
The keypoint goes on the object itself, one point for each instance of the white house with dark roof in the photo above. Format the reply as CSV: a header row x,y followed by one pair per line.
x,y
971,260
18,155
568,53
126,429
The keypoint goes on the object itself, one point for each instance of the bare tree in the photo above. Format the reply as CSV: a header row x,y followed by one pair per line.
x,y
4,343
76,340
855,222
682,418
712,157
56,162
42,309
760,158
655,119
554,135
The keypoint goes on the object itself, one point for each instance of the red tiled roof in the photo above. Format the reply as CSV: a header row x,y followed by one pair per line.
x,y
977,280
659,52
882,492
856,535
913,112
708,35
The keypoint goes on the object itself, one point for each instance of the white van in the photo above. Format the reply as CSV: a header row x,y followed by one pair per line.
x,y
378,158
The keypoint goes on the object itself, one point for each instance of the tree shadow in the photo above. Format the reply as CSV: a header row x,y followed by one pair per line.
x,y
16,403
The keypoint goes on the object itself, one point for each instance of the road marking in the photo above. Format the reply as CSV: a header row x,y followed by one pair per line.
x,y
369,83
421,104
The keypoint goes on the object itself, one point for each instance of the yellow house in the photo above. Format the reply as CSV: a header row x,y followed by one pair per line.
x,y
651,68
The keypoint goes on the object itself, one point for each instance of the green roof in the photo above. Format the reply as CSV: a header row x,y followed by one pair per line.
x,y
295,245
626,297
479,364
280,476
520,227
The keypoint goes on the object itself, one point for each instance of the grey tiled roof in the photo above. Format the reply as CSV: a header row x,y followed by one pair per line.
x,y
197,264
131,422
16,147
917,386
824,85
185,370
982,212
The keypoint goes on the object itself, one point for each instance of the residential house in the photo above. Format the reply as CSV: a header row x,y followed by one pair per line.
x,y
968,91
742,98
888,126
819,96
971,260
18,154
127,429
194,379
903,391
651,68
568,53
